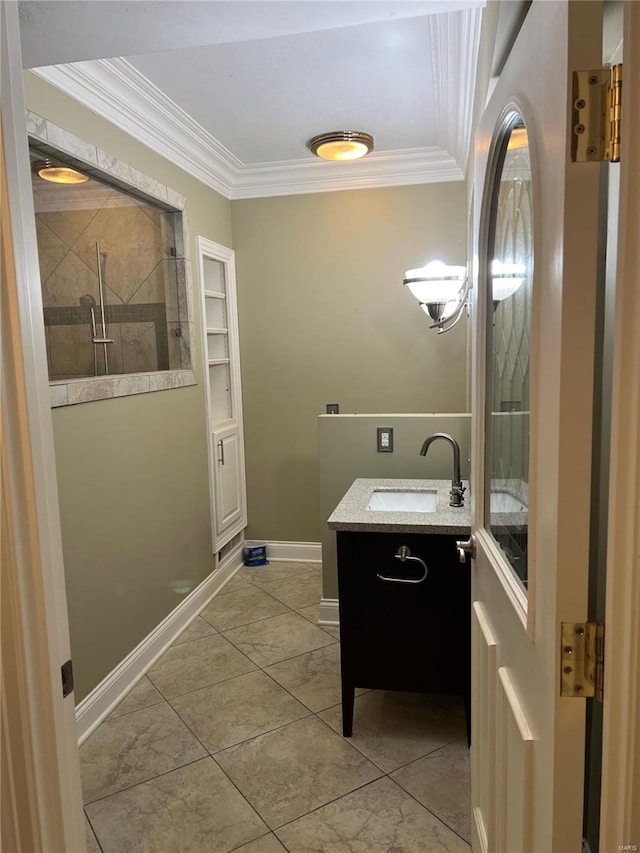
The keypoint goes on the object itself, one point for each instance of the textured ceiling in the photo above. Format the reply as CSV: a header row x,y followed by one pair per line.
x,y
255,80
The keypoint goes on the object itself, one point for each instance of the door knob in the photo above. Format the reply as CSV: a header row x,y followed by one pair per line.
x,y
465,547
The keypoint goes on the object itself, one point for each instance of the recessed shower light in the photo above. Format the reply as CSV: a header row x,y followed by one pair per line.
x,y
48,171
341,145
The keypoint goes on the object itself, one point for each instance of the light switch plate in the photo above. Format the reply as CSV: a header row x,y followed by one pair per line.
x,y
385,439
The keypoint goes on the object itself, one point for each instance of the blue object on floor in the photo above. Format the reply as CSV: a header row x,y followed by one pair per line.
x,y
255,555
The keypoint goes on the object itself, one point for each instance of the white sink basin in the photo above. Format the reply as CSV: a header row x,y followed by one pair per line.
x,y
504,502
390,501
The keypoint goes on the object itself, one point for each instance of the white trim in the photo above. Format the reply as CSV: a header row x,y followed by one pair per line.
x,y
329,612
380,169
116,90
38,752
454,40
103,699
620,814
300,552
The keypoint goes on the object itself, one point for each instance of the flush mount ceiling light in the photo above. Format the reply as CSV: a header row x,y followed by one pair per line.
x,y
341,145
48,171
441,291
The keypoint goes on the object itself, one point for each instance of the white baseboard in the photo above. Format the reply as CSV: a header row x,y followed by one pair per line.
x,y
111,690
301,552
329,612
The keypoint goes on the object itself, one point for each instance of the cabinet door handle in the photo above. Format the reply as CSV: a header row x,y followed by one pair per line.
x,y
406,557
221,457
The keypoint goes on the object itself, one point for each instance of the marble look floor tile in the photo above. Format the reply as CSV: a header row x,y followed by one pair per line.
x,y
237,582
313,678
266,844
393,728
134,748
297,768
237,710
199,663
195,630
312,613
241,607
278,638
441,781
277,571
143,695
296,593
192,809
92,843
378,818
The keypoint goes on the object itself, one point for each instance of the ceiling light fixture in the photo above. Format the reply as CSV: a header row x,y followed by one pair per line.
x,y
341,145
48,171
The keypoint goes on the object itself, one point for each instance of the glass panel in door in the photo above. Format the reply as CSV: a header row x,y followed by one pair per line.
x,y
509,334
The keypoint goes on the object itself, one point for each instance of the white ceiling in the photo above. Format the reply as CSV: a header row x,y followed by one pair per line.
x,y
232,90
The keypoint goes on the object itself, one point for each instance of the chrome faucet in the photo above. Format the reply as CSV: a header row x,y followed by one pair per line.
x,y
457,489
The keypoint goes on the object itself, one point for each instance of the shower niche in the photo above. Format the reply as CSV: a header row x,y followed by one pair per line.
x,y
113,275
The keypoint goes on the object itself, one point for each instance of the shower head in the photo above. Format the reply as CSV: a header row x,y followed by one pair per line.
x,y
87,301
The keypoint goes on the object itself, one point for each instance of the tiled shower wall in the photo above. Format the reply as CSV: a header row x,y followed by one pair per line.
x,y
139,277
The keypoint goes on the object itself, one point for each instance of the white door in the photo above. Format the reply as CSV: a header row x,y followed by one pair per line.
x,y
221,367
228,482
41,801
536,229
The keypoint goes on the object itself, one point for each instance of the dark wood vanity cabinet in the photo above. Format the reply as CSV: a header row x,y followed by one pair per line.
x,y
403,636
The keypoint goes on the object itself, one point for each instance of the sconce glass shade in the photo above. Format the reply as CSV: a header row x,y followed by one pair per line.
x,y
440,289
506,279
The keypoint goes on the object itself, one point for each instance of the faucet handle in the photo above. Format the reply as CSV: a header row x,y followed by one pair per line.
x,y
456,495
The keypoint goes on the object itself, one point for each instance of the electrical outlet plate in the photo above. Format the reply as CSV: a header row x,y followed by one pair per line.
x,y
385,439
333,409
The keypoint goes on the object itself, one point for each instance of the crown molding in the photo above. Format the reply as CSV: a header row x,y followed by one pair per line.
x,y
116,90
382,169
454,43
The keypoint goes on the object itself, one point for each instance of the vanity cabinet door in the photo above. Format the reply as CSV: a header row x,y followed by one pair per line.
x,y
403,636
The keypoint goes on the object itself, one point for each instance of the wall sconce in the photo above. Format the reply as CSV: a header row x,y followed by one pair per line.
x,y
441,291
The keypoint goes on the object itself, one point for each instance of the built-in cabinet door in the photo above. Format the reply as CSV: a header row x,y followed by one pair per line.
x,y
221,368
228,480
534,325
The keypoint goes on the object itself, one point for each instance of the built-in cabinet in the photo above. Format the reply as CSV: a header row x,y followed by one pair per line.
x,y
404,621
221,366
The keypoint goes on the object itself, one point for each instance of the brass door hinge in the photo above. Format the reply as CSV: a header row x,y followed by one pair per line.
x,y
582,659
596,115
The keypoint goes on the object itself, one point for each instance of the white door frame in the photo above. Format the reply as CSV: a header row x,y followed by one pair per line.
x,y
41,798
620,811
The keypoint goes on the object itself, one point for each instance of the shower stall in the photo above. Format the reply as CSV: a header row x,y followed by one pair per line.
x,y
111,279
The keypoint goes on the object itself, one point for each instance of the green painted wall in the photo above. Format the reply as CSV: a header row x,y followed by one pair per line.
x,y
132,472
324,318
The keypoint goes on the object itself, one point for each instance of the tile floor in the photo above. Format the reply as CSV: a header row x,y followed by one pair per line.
x,y
232,742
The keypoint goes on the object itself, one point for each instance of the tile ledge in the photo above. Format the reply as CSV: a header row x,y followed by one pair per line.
x,y
92,389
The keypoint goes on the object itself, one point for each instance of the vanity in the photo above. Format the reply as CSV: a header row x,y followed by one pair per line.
x,y
404,597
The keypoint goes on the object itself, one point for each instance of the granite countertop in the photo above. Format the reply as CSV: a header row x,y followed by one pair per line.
x,y
352,513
